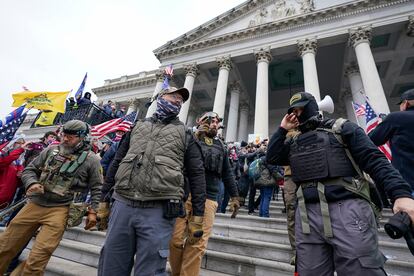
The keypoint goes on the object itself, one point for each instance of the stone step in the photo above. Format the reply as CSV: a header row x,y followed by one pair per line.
x,y
245,247
58,266
252,221
242,240
256,249
234,264
214,261
276,211
61,267
272,235
77,251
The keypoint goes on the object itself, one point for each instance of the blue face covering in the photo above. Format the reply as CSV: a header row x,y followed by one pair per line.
x,y
165,109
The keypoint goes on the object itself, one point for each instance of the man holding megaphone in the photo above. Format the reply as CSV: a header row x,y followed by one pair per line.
x,y
336,228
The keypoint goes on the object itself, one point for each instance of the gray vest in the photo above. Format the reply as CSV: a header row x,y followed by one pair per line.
x,y
153,167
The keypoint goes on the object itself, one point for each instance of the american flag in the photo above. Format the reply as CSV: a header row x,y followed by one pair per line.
x,y
123,124
359,109
372,122
12,115
8,130
169,70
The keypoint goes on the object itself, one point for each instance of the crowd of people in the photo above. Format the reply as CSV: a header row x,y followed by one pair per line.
x,y
156,189
111,109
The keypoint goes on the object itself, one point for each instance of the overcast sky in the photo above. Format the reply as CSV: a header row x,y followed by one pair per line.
x,y
48,45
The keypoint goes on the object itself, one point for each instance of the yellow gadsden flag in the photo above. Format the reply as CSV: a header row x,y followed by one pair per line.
x,y
54,101
46,118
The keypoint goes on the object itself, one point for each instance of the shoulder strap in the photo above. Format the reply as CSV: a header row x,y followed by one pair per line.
x,y
78,162
336,130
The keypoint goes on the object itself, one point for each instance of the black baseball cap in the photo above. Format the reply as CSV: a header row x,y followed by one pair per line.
x,y
300,100
407,96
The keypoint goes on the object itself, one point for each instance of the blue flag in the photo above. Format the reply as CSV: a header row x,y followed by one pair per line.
x,y
8,130
12,115
130,117
165,84
79,93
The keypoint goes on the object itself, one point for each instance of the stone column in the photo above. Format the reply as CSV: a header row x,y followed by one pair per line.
x,y
224,64
307,50
410,27
243,122
231,134
261,116
190,74
357,89
360,39
191,118
160,80
346,98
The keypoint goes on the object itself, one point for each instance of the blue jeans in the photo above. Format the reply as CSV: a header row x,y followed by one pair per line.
x,y
225,202
220,195
265,197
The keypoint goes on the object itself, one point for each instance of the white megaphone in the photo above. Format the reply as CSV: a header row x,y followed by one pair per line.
x,y
326,104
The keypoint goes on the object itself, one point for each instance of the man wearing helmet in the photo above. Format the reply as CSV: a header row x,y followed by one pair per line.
x,y
335,225
147,174
186,253
51,181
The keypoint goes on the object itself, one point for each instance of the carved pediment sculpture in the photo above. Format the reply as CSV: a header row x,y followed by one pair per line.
x,y
306,5
259,18
278,10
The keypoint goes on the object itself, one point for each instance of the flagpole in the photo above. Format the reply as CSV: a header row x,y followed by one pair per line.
x,y
356,117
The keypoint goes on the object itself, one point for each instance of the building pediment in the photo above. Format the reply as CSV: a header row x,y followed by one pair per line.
x,y
259,17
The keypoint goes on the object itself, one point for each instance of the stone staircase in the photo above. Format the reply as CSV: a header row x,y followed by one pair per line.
x,y
247,245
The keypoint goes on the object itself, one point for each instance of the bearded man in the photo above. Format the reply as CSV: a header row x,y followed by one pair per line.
x,y
187,252
51,181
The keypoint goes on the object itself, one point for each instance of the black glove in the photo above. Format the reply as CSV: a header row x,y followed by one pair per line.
x,y
399,225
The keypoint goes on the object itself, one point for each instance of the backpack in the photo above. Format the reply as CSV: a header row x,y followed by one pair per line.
x,y
255,169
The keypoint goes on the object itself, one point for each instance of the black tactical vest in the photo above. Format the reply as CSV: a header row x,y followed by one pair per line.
x,y
317,155
213,156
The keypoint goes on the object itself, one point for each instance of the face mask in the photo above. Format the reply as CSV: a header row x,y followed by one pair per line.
x,y
311,124
166,109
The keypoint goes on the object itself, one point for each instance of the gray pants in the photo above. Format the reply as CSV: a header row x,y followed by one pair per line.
x,y
353,250
143,232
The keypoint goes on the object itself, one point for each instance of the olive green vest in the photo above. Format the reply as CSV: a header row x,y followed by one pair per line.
x,y
153,167
58,171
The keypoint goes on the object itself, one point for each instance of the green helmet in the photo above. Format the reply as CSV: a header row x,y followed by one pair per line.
x,y
76,127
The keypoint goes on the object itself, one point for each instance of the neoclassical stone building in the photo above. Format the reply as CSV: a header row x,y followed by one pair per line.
x,y
245,63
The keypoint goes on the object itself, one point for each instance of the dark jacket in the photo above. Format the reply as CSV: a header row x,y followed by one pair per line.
x,y
213,179
84,101
235,166
398,128
193,164
108,157
369,158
